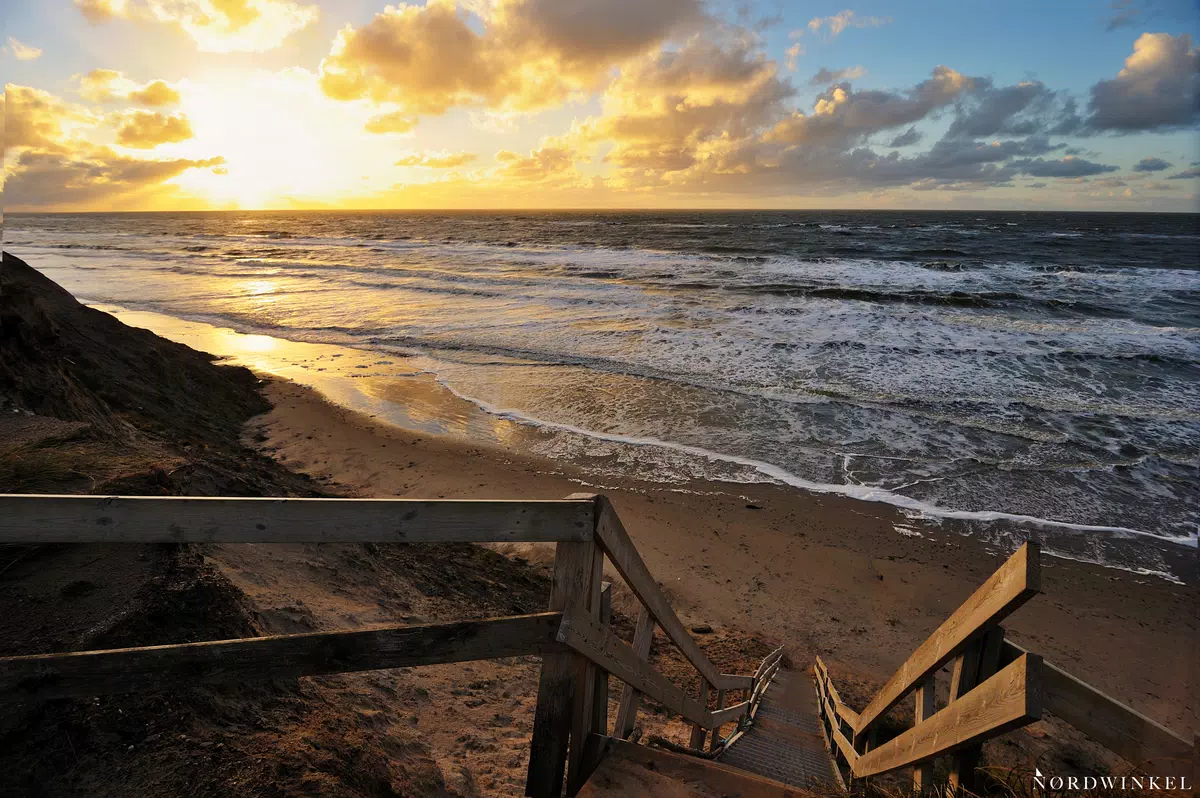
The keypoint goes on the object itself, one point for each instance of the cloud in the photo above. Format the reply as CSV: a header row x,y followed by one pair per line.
x,y
1019,110
1157,88
394,122
22,51
438,161
792,56
824,76
145,130
540,165
36,118
528,54
842,113
217,26
39,179
108,85
1070,166
845,19
1186,174
1151,165
906,139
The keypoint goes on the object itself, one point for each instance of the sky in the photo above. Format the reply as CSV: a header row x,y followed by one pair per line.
x,y
354,104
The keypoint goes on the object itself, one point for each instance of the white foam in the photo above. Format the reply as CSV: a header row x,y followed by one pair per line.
x,y
775,473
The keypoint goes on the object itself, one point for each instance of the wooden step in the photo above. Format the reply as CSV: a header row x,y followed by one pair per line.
x,y
785,742
627,770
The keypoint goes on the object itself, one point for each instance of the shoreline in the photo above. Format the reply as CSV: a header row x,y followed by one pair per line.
x,y
406,393
822,574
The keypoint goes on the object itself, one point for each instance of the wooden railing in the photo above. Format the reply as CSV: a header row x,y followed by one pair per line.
x,y
996,686
578,647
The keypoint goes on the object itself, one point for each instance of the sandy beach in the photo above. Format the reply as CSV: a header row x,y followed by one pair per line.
x,y
822,575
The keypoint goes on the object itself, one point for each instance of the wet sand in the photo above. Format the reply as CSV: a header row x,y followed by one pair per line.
x,y
858,583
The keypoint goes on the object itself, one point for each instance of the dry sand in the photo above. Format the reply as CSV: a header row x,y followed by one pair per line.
x,y
821,574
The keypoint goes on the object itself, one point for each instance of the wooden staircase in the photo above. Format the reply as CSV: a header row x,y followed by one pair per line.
x,y
788,722
785,742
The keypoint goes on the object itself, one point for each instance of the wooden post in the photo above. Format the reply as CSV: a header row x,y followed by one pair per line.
x,y
698,731
923,773
600,702
643,636
716,732
583,707
570,588
978,662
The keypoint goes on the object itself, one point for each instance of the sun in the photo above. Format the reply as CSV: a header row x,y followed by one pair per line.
x,y
283,142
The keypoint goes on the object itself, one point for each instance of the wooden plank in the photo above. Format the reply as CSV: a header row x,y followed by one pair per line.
x,y
90,673
633,570
616,656
729,714
732,681
844,712
552,716
639,770
980,661
717,721
1013,583
923,772
582,709
643,636
698,730
1123,730
172,519
600,702
1008,700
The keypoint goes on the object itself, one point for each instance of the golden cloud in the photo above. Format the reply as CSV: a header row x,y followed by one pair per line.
x,y
394,122
50,162
528,55
145,130
108,85
218,26
447,160
36,118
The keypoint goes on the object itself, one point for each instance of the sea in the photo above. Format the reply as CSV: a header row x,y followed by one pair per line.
x,y
1012,375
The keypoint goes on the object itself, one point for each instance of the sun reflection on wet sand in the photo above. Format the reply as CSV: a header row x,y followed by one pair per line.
x,y
391,388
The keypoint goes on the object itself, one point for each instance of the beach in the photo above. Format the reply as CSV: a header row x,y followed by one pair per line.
x,y
822,575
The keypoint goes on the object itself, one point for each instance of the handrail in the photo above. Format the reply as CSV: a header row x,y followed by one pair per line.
x,y
176,519
571,694
126,670
624,556
1013,583
1008,700
1119,728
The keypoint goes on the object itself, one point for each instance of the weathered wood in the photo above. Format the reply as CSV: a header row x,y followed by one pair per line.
x,y
582,709
923,772
174,519
698,730
608,651
640,770
643,636
978,662
717,721
600,702
827,698
1014,583
1123,730
569,590
1008,700
844,712
733,681
729,714
620,549
91,673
